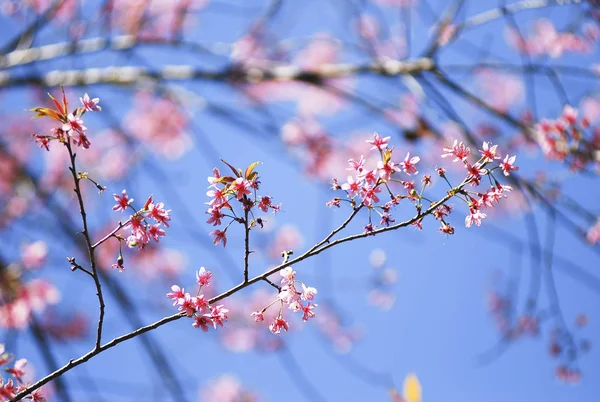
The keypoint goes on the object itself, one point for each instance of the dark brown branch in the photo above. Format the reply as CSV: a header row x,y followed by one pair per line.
x,y
90,247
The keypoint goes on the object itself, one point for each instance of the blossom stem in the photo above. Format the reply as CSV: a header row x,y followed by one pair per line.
x,y
246,243
112,233
90,247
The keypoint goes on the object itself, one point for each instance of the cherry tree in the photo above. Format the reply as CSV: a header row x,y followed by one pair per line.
x,y
163,163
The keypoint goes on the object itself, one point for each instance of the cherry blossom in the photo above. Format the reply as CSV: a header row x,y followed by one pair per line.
x,y
203,277
220,237
379,142
408,165
458,150
278,324
123,201
90,105
507,165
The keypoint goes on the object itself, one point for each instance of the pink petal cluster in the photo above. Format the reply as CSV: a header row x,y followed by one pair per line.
x,y
198,307
545,39
10,387
72,127
298,301
570,138
224,190
34,295
142,231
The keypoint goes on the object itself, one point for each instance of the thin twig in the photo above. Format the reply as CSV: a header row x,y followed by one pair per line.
x,y
246,242
88,241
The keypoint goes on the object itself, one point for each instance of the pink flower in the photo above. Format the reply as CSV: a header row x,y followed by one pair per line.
x,y
378,142
177,294
217,195
409,164
7,390
119,265
218,314
288,276
241,187
357,165
18,371
215,216
202,322
458,150
369,195
203,277
81,140
489,153
370,177
352,186
90,105
258,316
188,305
155,232
201,303
139,235
333,203
307,311
447,229
220,236
158,213
475,216
387,170
569,114
386,219
278,324
74,124
37,396
507,165
42,141
265,203
475,172
215,177
123,201
593,233
308,292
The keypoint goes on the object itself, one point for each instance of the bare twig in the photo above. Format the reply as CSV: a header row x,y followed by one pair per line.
x,y
90,247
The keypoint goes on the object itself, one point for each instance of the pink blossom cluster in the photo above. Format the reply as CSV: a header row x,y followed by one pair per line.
x,y
570,138
564,345
10,387
141,230
475,172
72,127
241,334
545,39
241,188
298,301
502,310
22,299
366,186
198,307
566,348
148,119
152,20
